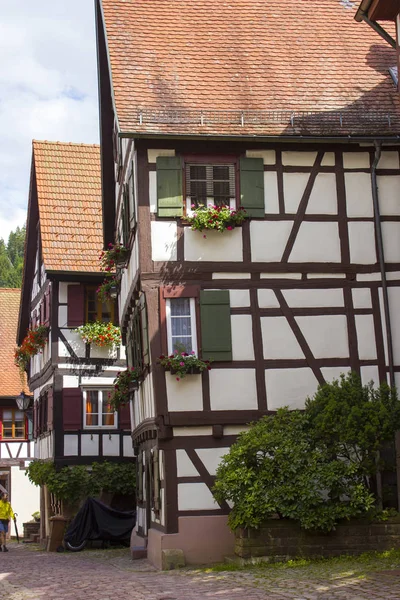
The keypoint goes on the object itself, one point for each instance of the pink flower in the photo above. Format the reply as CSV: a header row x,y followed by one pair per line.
x,y
204,236
193,352
193,206
182,364
229,228
177,379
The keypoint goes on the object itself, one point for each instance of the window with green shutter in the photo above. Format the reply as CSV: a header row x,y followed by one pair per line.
x,y
215,317
252,186
169,186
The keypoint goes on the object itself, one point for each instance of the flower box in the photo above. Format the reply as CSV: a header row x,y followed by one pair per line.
x,y
133,386
190,371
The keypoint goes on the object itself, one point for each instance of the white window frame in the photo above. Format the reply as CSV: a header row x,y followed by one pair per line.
x,y
103,391
192,320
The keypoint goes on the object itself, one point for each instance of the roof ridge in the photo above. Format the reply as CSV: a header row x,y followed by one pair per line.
x,y
58,143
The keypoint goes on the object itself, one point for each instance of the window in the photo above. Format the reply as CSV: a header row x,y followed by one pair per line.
x,y
97,409
210,184
97,310
13,424
137,343
181,325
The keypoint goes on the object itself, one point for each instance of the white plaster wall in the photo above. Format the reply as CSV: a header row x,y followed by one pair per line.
x,y
316,242
233,389
289,387
184,466
294,185
70,445
358,195
111,445
326,335
44,447
163,240
328,159
185,394
356,160
89,444
127,446
267,299
211,458
362,298
231,275
76,343
389,160
153,191
62,316
63,292
391,241
366,337
370,373
192,431
242,337
195,496
299,159
280,275
268,156
331,373
239,298
279,341
268,240
362,243
271,198
24,498
128,275
213,245
235,430
314,298
326,275
389,194
154,153
323,197
394,303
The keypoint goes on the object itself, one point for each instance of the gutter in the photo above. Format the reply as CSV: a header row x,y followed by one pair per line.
x,y
362,15
381,259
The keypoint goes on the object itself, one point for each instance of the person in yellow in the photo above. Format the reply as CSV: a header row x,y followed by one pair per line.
x,y
6,513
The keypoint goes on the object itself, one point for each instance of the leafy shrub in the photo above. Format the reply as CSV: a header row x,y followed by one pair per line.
x,y
354,421
119,478
276,468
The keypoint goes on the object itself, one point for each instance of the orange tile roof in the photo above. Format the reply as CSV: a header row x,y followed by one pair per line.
x,y
172,59
10,380
68,183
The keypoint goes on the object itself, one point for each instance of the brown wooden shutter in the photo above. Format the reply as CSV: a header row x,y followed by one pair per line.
x,y
36,419
76,305
47,307
125,417
50,409
72,408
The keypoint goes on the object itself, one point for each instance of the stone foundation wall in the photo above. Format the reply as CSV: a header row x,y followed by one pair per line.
x,y
281,539
31,529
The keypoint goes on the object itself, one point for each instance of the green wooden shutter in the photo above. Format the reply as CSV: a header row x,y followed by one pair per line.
x,y
252,186
145,334
169,186
215,317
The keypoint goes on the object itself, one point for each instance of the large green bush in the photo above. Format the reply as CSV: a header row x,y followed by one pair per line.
x,y
71,484
276,469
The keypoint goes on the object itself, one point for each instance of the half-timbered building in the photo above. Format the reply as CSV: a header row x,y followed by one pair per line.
x,y
70,380
16,445
287,109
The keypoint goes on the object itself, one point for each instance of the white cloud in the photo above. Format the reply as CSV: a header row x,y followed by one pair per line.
x,y
48,89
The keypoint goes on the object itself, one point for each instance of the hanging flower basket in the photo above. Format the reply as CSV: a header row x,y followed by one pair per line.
x,y
182,364
115,256
123,384
100,334
108,290
34,341
220,218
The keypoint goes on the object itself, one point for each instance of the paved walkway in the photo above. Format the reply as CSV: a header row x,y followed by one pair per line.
x,y
27,573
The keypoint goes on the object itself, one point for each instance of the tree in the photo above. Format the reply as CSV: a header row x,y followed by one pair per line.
x,y
12,259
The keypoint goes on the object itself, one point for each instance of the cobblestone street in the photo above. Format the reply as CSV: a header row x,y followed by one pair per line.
x,y
28,573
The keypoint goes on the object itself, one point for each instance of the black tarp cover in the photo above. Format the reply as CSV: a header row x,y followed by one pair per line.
x,y
97,521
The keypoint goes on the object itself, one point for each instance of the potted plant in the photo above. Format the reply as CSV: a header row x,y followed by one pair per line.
x,y
220,218
108,290
34,341
100,334
182,364
36,516
114,256
125,382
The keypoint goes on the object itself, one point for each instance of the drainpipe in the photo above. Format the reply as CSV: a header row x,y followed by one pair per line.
x,y
381,258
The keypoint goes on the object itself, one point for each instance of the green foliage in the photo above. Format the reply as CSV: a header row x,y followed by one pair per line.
x,y
104,290
12,259
181,363
100,334
122,384
71,484
34,341
276,468
215,217
353,420
115,255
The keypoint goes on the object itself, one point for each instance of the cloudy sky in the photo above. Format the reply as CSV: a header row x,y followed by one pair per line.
x,y
48,89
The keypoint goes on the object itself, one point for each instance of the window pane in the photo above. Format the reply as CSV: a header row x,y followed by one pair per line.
x,y
92,407
182,344
105,312
7,415
108,413
19,433
181,325
180,307
7,432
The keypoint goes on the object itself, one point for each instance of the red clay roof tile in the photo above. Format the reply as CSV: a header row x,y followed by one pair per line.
x,y
10,380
